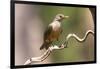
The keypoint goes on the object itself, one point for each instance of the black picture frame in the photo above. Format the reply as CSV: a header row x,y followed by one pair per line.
x,y
12,33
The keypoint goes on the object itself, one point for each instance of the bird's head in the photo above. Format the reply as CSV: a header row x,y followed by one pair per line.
x,y
60,17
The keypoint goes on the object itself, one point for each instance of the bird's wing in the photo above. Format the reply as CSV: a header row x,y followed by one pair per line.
x,y
47,32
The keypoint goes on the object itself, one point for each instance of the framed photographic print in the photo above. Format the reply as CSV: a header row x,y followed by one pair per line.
x,y
50,34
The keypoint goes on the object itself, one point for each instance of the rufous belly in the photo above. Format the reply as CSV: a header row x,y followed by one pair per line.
x,y
54,35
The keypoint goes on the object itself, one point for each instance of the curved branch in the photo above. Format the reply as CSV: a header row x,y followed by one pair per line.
x,y
55,47
77,38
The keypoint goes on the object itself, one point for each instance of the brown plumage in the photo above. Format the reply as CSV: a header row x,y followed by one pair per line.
x,y
53,31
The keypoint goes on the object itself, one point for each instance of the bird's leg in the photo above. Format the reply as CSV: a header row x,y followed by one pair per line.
x,y
57,39
52,45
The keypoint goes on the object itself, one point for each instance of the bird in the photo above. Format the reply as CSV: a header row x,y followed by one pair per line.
x,y
53,31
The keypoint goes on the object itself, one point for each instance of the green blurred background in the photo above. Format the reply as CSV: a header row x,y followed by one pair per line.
x,y
80,20
77,23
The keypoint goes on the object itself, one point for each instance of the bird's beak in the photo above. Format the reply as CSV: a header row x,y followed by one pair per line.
x,y
66,16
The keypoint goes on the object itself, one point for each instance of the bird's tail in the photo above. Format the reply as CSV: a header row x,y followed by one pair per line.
x,y
45,45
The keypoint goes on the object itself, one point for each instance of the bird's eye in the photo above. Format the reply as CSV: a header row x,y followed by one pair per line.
x,y
60,16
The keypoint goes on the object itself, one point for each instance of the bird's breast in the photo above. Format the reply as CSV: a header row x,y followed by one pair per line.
x,y
56,30
55,26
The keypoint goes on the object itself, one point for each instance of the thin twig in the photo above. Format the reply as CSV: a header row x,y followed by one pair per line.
x,y
55,47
